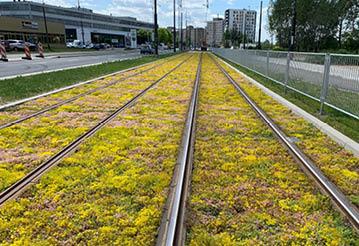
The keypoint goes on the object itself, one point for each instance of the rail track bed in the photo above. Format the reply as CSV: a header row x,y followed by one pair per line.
x,y
170,155
25,145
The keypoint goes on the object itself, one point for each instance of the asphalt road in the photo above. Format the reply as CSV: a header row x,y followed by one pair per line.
x,y
16,66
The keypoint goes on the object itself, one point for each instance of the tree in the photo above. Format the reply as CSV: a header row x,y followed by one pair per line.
x,y
320,23
143,36
164,36
226,38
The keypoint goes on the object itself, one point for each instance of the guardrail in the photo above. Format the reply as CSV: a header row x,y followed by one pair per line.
x,y
330,79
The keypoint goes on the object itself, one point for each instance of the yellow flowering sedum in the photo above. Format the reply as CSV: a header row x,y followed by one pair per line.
x,y
111,191
246,188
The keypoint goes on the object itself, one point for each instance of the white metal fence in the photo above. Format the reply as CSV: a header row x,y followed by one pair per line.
x,y
330,79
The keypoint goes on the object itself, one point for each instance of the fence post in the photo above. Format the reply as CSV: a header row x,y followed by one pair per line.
x,y
267,67
287,72
325,85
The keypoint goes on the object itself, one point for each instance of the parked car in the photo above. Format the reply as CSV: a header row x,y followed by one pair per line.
x,y
18,45
32,46
162,46
6,44
147,49
90,46
99,46
76,44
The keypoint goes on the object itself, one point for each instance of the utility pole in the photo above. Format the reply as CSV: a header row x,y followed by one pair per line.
x,y
181,26
82,24
294,23
244,29
45,22
156,29
187,40
260,28
174,26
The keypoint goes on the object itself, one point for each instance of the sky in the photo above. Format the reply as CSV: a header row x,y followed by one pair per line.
x,y
143,9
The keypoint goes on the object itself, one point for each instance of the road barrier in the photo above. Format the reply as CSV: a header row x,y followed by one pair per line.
x,y
330,79
27,53
40,48
3,56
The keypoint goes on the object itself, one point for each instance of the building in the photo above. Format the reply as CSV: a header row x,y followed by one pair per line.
x,y
31,31
243,21
194,37
214,32
77,23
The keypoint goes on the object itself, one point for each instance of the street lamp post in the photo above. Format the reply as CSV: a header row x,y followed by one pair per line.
x,y
45,22
174,25
82,24
294,23
260,27
244,29
156,28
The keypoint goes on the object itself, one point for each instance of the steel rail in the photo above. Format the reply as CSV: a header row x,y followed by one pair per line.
x,y
172,230
22,101
338,198
36,173
54,106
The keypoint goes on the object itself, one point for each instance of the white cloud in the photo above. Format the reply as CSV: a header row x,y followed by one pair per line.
x,y
143,10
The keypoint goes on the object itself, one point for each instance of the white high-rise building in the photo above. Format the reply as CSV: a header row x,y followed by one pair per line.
x,y
214,31
243,21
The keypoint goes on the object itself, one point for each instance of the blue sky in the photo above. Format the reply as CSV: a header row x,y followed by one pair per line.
x,y
143,9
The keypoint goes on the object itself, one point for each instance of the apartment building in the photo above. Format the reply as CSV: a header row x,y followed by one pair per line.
x,y
214,32
242,20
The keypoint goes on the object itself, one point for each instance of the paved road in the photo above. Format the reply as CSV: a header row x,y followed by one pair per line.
x,y
16,66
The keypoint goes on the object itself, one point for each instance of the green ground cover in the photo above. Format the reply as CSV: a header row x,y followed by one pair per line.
x,y
23,87
340,121
26,145
339,165
246,188
113,189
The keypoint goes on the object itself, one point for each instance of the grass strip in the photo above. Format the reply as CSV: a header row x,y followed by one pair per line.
x,y
24,87
338,120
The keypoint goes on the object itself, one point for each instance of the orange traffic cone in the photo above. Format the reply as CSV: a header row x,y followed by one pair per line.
x,y
3,56
27,53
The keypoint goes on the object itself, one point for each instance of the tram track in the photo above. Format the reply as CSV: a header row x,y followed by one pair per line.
x,y
91,91
172,230
37,172
339,200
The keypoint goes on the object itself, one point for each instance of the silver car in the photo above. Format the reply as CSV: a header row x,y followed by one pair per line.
x,y
17,45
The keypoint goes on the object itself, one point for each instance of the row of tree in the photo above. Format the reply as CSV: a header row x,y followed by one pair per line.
x,y
164,36
234,38
320,24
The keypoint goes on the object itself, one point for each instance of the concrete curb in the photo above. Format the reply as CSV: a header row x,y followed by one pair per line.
x,y
344,141
12,104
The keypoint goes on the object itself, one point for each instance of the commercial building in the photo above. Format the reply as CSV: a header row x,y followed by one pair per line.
x,y
243,21
214,32
31,31
194,37
77,23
